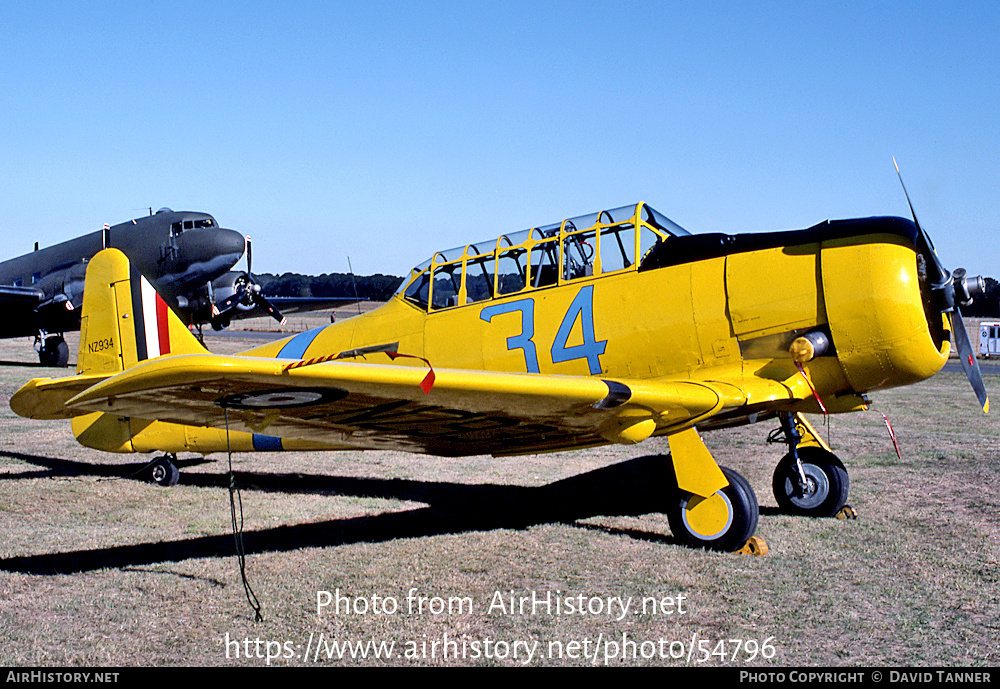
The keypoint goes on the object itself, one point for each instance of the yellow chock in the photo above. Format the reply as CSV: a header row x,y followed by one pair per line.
x,y
846,512
755,546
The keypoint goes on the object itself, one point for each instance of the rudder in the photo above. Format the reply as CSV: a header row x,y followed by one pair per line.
x,y
124,321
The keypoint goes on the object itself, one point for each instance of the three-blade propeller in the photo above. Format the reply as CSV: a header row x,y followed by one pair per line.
x,y
246,295
951,291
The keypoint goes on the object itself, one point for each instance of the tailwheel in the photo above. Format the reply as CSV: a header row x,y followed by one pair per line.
x,y
724,521
164,472
824,490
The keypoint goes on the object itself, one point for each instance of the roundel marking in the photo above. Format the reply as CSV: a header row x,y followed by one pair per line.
x,y
286,397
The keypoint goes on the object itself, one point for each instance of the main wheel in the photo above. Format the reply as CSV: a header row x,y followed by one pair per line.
x,y
164,472
827,483
54,353
723,521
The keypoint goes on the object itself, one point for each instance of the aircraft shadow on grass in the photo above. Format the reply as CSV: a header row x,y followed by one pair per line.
x,y
25,364
634,487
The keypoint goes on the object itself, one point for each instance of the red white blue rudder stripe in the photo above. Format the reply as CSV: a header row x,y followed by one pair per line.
x,y
152,332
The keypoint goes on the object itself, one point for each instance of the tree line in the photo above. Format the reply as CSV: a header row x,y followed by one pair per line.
x,y
376,287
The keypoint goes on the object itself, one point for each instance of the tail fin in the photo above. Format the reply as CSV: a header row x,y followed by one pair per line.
x,y
124,321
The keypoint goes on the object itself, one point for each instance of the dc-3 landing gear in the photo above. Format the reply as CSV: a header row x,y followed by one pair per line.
x,y
810,480
52,350
163,471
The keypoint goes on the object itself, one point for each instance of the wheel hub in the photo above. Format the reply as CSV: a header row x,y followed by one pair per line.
x,y
813,492
807,488
708,518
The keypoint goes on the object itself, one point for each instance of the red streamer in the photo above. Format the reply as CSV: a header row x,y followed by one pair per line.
x,y
426,384
815,394
892,433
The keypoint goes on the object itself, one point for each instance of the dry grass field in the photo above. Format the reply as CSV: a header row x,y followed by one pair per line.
x,y
420,559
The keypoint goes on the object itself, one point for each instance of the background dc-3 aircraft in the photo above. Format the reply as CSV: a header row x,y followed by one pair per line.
x,y
185,255
607,328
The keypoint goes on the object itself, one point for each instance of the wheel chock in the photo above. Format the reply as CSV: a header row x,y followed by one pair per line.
x,y
846,512
754,546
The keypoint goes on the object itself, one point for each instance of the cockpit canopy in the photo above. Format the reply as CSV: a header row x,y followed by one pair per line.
x,y
581,247
200,222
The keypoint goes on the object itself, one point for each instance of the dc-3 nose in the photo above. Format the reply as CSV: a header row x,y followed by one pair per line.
x,y
219,248
231,243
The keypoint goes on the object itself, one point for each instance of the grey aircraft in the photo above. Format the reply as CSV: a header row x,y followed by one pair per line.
x,y
185,255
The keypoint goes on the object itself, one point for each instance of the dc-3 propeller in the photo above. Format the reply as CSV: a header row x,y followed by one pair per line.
x,y
246,295
952,291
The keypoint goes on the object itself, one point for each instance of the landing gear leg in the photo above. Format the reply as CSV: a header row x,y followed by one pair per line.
x,y
163,471
810,480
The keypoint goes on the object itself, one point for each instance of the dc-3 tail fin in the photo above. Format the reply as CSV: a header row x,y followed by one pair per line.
x,y
124,321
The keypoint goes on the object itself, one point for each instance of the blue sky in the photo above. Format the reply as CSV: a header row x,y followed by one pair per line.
x,y
384,131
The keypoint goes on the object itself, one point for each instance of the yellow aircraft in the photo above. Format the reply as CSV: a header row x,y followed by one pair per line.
x,y
607,328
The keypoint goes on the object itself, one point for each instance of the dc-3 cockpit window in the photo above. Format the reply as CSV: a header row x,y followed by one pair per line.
x,y
178,227
579,248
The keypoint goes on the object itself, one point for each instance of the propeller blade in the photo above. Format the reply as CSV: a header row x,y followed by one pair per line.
x,y
222,312
905,193
261,300
968,358
250,254
943,275
249,297
945,285
228,304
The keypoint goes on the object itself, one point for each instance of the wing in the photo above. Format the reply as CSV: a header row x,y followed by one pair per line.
x,y
368,405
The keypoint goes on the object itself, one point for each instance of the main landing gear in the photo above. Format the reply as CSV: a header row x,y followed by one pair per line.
x,y
810,480
52,350
725,521
711,507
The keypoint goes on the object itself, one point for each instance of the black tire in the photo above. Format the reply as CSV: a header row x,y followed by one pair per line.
x,y
164,472
743,510
828,488
54,353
